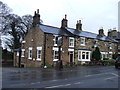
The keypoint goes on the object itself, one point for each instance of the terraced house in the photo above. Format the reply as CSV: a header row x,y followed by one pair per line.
x,y
42,42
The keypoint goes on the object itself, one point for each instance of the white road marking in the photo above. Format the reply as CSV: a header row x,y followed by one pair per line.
x,y
54,80
109,78
96,74
58,86
35,83
77,83
115,74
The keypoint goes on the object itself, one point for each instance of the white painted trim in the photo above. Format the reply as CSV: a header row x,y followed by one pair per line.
x,y
73,41
73,55
23,50
39,48
83,42
85,55
55,59
55,48
17,53
70,49
110,52
30,48
24,41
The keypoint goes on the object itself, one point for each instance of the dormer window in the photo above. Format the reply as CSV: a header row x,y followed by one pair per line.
x,y
82,41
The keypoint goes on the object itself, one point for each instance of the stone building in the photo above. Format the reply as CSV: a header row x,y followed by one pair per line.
x,y
42,42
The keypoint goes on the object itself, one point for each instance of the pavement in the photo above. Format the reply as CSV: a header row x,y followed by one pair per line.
x,y
76,77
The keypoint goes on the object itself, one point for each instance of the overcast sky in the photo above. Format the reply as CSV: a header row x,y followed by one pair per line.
x,y
93,13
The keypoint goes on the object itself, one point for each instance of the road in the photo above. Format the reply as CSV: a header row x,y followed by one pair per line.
x,y
77,77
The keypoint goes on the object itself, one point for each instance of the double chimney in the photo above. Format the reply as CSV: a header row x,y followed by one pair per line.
x,y
36,18
79,25
101,32
64,23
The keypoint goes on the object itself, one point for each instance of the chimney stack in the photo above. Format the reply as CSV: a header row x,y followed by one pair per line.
x,y
64,22
36,18
101,31
79,25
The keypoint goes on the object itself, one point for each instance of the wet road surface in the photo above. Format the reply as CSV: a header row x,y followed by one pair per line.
x,y
77,77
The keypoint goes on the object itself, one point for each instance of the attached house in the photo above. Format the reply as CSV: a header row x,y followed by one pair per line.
x,y
42,42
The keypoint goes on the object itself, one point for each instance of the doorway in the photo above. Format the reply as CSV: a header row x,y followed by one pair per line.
x,y
71,57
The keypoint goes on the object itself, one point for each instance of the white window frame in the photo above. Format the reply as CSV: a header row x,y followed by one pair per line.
x,y
96,43
23,53
82,41
23,41
110,45
104,54
80,52
55,44
71,44
30,54
118,47
55,49
39,49
17,53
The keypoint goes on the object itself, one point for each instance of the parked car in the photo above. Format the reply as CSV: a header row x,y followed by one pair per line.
x,y
117,62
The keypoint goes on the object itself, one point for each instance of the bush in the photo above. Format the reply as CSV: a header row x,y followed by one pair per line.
x,y
96,55
49,65
114,56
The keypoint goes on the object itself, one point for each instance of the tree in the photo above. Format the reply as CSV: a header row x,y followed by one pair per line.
x,y
96,55
14,26
4,10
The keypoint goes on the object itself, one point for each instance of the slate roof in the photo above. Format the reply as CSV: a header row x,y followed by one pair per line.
x,y
54,30
118,36
73,32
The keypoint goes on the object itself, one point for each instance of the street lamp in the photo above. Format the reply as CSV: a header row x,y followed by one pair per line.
x,y
59,43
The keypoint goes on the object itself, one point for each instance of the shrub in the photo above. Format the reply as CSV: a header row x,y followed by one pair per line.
x,y
96,55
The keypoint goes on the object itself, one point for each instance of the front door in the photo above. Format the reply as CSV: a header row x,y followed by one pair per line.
x,y
71,56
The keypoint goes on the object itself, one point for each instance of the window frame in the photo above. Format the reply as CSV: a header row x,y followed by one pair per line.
x,y
39,49
110,46
71,38
80,55
82,41
30,53
22,52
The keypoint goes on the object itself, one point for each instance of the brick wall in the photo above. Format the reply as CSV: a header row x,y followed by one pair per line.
x,y
34,39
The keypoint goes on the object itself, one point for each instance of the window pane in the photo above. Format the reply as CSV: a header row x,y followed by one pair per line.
x,y
87,55
55,54
30,53
83,55
71,42
39,54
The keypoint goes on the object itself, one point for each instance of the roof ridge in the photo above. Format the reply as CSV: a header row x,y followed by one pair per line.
x,y
50,26
85,31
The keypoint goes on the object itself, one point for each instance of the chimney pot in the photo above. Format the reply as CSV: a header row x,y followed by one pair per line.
x,y
80,21
101,31
65,16
77,21
37,11
79,25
